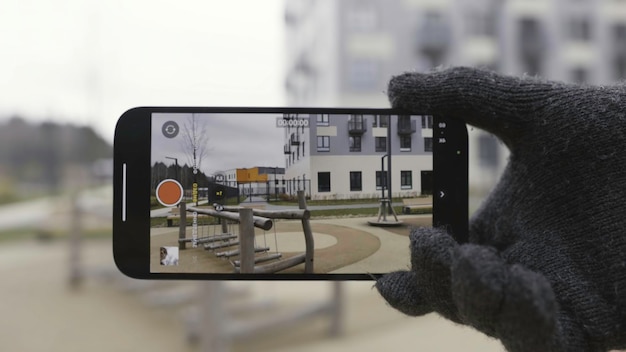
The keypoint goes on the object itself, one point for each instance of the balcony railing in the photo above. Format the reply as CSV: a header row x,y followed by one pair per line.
x,y
532,42
357,126
407,127
434,36
287,149
295,139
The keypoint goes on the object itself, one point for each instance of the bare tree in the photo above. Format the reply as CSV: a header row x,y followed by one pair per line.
x,y
195,141
195,144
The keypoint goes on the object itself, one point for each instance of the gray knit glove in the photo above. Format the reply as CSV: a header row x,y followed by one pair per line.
x,y
545,266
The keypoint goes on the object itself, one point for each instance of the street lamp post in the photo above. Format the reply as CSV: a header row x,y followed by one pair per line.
x,y
176,170
176,162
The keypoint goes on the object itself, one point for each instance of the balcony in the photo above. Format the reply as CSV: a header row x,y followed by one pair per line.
x,y
287,149
357,126
295,140
619,39
407,127
434,35
532,42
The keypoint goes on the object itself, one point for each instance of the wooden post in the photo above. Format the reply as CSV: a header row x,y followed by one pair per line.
x,y
182,227
308,236
213,333
76,273
336,306
224,225
246,241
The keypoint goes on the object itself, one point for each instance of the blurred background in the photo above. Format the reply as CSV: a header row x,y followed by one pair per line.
x,y
70,68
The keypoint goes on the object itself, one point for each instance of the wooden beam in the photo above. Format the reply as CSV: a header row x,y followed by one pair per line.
x,y
274,214
210,238
260,222
265,258
211,246
279,265
235,252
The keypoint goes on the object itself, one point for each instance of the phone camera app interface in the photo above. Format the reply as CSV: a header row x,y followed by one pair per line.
x,y
287,193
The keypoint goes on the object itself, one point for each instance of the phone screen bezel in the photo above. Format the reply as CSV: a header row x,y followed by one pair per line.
x,y
132,172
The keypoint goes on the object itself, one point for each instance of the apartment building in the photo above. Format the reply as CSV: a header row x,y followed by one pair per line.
x,y
341,156
343,53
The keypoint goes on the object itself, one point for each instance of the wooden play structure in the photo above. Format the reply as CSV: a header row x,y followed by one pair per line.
x,y
247,219
421,203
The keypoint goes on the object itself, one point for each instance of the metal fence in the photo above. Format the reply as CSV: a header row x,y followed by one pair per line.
x,y
269,190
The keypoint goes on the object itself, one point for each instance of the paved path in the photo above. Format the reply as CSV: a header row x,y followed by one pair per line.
x,y
102,318
34,213
392,255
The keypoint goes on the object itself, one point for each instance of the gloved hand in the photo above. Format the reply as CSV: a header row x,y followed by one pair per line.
x,y
545,266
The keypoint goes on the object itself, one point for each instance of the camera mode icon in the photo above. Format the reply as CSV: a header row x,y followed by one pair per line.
x,y
170,129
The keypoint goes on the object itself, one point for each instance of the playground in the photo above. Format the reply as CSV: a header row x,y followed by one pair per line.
x,y
341,245
239,239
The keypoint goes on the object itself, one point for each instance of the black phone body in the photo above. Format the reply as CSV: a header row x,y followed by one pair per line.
x,y
212,192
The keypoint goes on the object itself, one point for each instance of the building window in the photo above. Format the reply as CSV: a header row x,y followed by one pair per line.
x,y
406,179
303,149
381,179
355,181
532,45
323,120
384,121
579,29
323,181
355,123
531,65
619,58
355,143
323,143
428,144
363,18
579,75
482,23
619,35
488,151
405,143
427,121
619,67
381,144
380,121
404,121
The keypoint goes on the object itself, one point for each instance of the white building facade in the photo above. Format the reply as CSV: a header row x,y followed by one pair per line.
x,y
341,156
343,53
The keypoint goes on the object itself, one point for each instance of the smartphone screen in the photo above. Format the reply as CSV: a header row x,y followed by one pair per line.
x,y
319,192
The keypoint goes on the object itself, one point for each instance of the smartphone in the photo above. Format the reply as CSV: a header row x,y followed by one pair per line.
x,y
282,193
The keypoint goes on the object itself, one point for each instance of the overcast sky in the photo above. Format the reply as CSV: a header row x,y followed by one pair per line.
x,y
89,61
234,141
